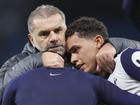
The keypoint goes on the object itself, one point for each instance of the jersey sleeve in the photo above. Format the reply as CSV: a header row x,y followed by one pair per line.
x,y
130,60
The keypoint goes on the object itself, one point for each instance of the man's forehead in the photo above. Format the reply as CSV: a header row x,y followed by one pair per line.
x,y
73,38
45,26
51,29
56,18
72,41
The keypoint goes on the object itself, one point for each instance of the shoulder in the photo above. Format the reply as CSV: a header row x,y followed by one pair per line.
x,y
130,60
130,57
16,58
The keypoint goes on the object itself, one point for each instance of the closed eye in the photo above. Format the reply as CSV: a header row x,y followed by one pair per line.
x,y
74,49
44,33
57,30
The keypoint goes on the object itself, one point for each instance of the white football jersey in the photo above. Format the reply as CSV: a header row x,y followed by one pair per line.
x,y
127,62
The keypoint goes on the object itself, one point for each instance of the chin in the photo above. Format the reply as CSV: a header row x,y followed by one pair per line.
x,y
91,71
87,70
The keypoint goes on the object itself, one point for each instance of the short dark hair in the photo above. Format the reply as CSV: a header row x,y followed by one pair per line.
x,y
87,27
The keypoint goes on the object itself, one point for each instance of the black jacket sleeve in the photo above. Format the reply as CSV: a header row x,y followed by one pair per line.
x,y
16,66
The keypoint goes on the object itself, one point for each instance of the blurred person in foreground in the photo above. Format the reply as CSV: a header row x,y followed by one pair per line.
x,y
64,86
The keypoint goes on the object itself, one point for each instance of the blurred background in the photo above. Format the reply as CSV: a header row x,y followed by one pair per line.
x,y
120,16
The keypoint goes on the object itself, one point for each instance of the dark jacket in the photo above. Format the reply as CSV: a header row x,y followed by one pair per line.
x,y
30,58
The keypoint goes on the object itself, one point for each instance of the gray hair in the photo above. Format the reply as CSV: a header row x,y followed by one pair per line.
x,y
43,11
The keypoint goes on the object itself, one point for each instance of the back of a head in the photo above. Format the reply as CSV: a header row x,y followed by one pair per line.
x,y
43,11
87,27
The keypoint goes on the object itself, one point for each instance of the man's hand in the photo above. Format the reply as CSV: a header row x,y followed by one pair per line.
x,y
105,58
53,60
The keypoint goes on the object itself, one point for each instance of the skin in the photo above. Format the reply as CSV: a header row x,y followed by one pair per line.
x,y
83,51
49,34
105,58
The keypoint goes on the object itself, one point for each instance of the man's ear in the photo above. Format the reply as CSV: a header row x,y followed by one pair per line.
x,y
99,40
30,37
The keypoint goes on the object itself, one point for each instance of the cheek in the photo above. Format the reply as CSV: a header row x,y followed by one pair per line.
x,y
45,42
61,40
85,58
92,61
93,58
36,41
42,42
62,37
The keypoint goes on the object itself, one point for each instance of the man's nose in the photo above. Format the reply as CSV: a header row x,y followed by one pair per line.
x,y
74,58
53,37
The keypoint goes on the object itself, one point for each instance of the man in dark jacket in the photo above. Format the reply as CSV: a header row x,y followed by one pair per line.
x,y
46,46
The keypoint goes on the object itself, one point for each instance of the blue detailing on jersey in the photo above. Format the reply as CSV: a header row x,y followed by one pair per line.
x,y
130,59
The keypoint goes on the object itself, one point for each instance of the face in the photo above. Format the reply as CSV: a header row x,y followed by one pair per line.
x,y
83,52
49,34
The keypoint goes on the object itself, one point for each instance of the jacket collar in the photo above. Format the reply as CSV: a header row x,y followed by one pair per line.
x,y
28,48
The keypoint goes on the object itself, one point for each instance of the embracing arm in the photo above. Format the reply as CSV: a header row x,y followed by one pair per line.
x,y
47,59
105,56
17,66
122,43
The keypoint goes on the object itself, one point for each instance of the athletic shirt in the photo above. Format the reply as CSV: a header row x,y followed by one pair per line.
x,y
64,86
126,74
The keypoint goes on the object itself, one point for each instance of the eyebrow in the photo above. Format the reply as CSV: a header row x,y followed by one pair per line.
x,y
69,50
42,32
58,27
48,31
